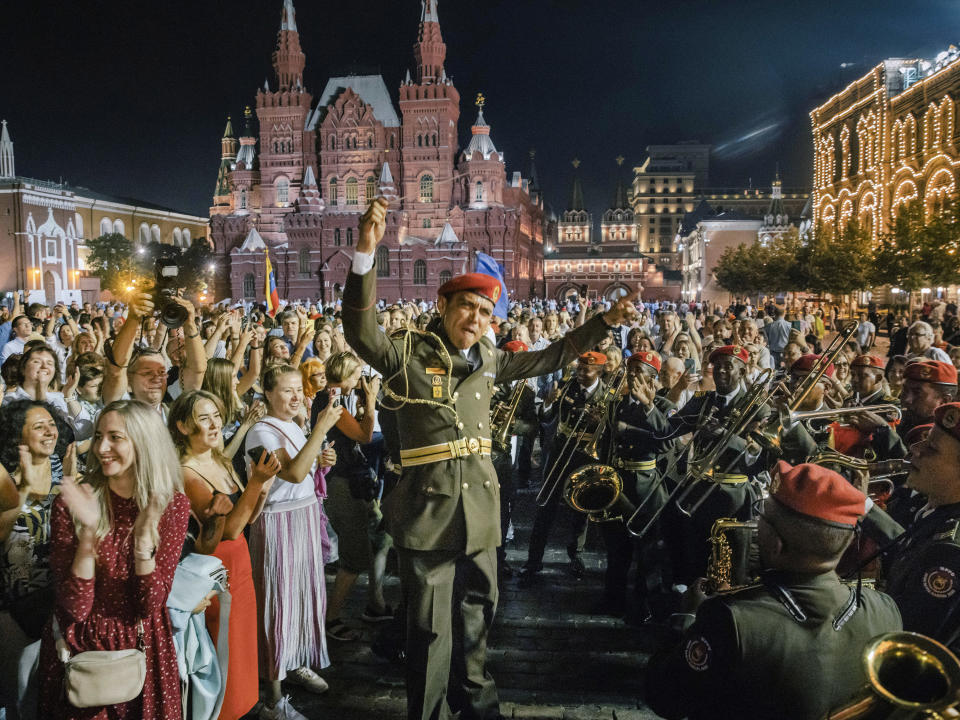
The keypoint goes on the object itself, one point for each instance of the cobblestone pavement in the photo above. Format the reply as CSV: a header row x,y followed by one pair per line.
x,y
550,658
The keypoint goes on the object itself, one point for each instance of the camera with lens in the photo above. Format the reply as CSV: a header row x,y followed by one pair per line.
x,y
167,285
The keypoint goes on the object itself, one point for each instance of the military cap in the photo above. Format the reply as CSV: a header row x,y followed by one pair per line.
x,y
483,285
918,434
516,346
645,358
805,363
593,358
870,361
819,493
738,352
931,371
947,418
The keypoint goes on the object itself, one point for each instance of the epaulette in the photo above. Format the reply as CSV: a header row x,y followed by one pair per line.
x,y
951,533
733,592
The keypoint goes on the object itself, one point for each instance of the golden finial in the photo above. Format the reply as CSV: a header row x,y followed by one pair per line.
x,y
575,163
620,160
481,100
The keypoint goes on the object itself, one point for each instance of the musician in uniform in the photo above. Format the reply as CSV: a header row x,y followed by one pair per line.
x,y
789,647
524,421
634,457
923,572
927,384
574,411
444,514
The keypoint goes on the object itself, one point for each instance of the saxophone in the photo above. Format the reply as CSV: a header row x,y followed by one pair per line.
x,y
734,555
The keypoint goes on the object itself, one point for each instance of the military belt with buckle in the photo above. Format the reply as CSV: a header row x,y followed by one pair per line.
x,y
637,465
444,451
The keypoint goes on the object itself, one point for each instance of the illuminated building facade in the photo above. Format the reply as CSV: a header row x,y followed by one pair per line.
x,y
888,138
298,187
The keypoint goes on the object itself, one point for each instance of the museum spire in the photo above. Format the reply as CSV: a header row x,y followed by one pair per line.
x,y
288,58
430,50
6,153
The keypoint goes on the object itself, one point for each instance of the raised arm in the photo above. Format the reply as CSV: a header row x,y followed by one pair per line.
x,y
196,357
115,371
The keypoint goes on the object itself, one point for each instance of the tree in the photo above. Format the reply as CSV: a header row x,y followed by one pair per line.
x,y
111,260
921,249
739,269
838,263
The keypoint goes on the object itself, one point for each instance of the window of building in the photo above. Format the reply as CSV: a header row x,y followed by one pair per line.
x,y
445,276
336,237
186,237
51,248
243,199
420,272
249,286
371,188
349,237
79,222
419,140
383,261
427,223
304,263
118,227
352,198
155,233
332,192
283,191
426,189
144,233
478,195
333,142
106,227
370,142
177,239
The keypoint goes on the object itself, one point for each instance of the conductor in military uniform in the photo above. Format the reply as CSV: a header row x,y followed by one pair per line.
x,y
789,647
444,515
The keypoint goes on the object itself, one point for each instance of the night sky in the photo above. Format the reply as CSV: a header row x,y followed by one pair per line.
x,y
131,97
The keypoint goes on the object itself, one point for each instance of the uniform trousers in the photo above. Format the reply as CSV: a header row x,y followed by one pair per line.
x,y
546,515
451,598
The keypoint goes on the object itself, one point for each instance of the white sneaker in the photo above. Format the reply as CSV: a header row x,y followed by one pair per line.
x,y
283,710
307,678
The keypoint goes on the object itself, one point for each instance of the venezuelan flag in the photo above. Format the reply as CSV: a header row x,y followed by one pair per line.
x,y
273,299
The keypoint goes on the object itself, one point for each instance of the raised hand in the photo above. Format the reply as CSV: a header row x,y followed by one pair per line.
x,y
218,506
81,502
328,418
624,310
265,468
328,458
145,535
373,225
141,305
642,390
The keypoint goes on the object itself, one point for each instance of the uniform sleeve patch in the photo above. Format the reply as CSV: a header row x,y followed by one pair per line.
x,y
698,654
940,582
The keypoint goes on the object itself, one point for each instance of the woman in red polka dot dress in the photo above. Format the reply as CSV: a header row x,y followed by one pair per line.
x,y
116,539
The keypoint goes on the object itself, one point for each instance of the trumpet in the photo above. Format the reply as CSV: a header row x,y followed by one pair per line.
x,y
908,676
791,417
504,414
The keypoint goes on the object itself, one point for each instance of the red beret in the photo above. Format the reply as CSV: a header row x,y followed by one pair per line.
x,y
931,371
735,351
515,346
593,358
479,283
947,418
870,361
645,358
918,434
805,363
819,493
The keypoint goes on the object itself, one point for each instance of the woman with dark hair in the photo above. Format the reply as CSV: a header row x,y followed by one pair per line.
x,y
30,480
10,372
39,369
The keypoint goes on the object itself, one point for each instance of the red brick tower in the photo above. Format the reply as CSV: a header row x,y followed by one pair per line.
x,y
285,147
430,107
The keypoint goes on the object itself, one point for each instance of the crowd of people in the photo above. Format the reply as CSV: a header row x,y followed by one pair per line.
x,y
326,438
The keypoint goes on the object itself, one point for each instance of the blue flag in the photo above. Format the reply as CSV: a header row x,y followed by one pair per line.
x,y
488,266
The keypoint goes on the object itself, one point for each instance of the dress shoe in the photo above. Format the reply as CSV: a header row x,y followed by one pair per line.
x,y
529,576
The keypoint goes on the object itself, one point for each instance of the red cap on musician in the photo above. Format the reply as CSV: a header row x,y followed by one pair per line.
x,y
735,351
593,358
819,493
947,418
918,434
645,358
516,346
870,361
931,371
479,283
805,363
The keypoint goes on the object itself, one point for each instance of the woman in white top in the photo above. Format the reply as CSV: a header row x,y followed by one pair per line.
x,y
38,369
285,544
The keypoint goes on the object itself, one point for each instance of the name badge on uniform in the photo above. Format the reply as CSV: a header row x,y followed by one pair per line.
x,y
436,371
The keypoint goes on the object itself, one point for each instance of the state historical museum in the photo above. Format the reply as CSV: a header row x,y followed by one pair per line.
x,y
298,185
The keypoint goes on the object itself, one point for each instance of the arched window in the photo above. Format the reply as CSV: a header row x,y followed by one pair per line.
x,y
177,240
426,189
478,193
383,261
349,237
370,142
420,272
186,237
144,233
336,237
304,258
243,199
371,188
283,191
352,198
427,222
333,142
393,142
78,219
419,140
106,227
332,193
155,233
445,276
118,227
249,286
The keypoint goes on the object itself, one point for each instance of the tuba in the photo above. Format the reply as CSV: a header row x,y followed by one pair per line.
x,y
908,676
734,555
597,490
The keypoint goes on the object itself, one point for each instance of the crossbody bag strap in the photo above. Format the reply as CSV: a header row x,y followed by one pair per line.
x,y
281,431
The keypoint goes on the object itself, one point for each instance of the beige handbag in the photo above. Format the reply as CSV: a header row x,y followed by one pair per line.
x,y
102,677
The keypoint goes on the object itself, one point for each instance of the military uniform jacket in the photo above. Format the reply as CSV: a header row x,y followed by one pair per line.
x,y
923,576
452,504
762,653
